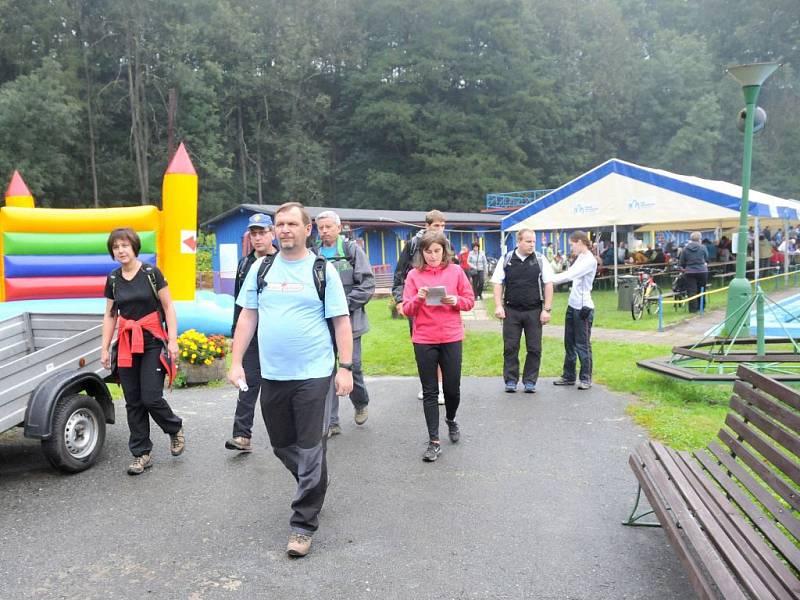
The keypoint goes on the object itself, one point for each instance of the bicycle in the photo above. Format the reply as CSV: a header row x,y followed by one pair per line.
x,y
646,294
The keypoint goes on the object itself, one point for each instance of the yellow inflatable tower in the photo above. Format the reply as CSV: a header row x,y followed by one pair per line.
x,y
178,240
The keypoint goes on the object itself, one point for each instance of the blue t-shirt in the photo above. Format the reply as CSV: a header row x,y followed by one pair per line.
x,y
328,251
294,342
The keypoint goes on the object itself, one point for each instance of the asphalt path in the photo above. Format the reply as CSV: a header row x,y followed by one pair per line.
x,y
527,505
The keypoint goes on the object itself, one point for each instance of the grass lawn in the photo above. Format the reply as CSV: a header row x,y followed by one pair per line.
x,y
682,415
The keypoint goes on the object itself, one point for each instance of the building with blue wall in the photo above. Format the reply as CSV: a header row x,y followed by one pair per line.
x,y
382,234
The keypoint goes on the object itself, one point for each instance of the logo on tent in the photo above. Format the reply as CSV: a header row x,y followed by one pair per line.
x,y
585,209
634,204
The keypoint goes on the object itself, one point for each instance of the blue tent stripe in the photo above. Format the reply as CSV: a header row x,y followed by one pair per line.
x,y
645,176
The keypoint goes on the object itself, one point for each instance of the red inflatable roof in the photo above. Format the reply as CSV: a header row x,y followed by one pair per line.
x,y
181,163
17,187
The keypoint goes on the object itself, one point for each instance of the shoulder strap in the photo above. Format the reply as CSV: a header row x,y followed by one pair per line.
x,y
113,276
507,258
319,277
263,269
151,277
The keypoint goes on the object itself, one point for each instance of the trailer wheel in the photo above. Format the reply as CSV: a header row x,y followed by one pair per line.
x,y
79,430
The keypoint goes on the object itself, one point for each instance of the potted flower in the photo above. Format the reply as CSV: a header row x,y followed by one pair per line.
x,y
201,358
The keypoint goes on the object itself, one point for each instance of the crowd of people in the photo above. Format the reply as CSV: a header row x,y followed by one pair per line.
x,y
311,297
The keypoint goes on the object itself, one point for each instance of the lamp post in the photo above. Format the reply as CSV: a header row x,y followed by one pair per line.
x,y
750,77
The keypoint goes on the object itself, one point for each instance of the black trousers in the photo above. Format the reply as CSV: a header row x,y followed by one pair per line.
x,y
143,387
695,281
246,403
578,344
477,283
448,358
514,324
296,419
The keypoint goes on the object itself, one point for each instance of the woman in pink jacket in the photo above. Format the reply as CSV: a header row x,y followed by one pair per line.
x,y
437,331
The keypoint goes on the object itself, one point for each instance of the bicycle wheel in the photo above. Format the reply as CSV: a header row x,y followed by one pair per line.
x,y
637,304
651,296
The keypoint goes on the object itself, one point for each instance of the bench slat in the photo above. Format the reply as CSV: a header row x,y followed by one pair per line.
x,y
770,386
654,488
775,410
727,556
779,460
757,516
776,483
775,432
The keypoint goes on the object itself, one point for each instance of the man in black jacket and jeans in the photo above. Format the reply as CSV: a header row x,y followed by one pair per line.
x,y
694,262
523,296
261,232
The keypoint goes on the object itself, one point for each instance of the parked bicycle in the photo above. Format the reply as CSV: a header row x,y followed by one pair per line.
x,y
646,294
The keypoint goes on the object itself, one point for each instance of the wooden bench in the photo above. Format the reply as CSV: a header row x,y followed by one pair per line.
x,y
730,511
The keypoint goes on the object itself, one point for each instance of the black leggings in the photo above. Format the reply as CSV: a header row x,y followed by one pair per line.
x,y
448,357
143,387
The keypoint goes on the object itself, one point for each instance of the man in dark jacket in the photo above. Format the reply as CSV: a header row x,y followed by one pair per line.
x,y
694,262
354,270
261,232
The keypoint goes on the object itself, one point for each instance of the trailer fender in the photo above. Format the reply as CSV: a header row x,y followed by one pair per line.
x,y
39,413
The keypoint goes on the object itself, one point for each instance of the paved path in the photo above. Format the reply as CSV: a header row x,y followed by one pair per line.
x,y
528,505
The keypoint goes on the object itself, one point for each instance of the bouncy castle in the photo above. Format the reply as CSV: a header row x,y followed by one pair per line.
x,y
56,260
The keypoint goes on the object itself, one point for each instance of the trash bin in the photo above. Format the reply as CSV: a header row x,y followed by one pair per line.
x,y
625,286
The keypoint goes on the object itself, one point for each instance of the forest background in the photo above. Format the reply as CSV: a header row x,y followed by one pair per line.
x,y
384,103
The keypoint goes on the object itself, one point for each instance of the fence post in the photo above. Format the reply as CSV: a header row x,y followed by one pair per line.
x,y
660,313
702,299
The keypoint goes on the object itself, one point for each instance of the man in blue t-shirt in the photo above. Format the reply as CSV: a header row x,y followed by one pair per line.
x,y
297,361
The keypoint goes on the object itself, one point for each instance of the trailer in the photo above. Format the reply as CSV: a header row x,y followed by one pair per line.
x,y
53,385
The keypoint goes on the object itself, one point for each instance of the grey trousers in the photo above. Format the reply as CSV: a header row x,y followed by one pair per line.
x,y
359,396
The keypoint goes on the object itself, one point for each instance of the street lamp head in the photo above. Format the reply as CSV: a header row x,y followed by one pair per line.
x,y
753,74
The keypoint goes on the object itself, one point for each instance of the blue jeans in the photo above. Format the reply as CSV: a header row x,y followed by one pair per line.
x,y
577,344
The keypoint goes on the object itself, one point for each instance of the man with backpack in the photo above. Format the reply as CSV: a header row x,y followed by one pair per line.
x,y
523,297
354,269
289,302
260,231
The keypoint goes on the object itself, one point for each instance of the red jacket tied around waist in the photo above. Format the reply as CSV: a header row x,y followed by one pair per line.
x,y
130,340
438,324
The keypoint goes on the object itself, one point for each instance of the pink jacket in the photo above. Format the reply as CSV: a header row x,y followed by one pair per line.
x,y
437,324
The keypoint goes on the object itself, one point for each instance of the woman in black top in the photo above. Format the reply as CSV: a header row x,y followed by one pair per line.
x,y
137,297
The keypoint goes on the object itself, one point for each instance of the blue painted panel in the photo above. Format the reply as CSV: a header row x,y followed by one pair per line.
x,y
76,265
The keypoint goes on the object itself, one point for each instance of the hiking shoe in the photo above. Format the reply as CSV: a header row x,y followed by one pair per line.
x,y
511,387
584,385
432,452
177,443
361,416
139,464
334,429
453,432
420,395
240,443
562,381
530,387
299,545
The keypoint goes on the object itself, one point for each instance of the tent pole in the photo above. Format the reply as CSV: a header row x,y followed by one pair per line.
x,y
756,251
615,257
786,253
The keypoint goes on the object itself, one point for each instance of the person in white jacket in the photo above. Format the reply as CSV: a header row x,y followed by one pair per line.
x,y
580,312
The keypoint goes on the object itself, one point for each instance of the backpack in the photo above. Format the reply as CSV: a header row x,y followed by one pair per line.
x,y
151,278
539,259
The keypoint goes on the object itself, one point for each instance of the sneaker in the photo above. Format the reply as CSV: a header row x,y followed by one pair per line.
x,y
530,387
334,429
511,387
584,385
299,545
139,464
240,443
361,416
420,395
453,432
432,452
177,443
562,381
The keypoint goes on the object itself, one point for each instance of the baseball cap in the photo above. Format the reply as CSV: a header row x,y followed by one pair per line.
x,y
259,220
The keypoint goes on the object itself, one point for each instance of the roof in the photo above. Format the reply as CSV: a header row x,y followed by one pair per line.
x,y
622,193
365,215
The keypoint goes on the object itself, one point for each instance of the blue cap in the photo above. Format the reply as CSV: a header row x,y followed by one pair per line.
x,y
259,220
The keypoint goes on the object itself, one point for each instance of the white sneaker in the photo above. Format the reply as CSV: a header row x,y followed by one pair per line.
x,y
441,394
420,395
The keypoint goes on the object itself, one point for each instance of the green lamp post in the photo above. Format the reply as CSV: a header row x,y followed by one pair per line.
x,y
751,77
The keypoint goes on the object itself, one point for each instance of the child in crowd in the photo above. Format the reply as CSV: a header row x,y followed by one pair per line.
x,y
437,331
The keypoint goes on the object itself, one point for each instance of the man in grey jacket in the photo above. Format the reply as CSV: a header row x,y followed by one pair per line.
x,y
359,284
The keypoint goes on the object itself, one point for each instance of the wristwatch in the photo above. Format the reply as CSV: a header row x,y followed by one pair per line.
x,y
344,365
